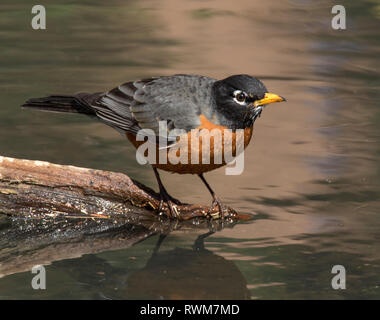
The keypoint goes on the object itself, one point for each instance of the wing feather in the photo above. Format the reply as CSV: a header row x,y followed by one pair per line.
x,y
150,103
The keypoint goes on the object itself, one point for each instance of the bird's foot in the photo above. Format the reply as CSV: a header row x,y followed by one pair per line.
x,y
171,204
222,209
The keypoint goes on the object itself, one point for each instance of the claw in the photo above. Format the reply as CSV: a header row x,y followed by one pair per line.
x,y
165,198
221,207
174,213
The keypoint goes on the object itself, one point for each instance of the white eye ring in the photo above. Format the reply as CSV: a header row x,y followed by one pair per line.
x,y
241,102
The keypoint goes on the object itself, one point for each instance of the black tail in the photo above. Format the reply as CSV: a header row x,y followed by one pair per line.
x,y
72,104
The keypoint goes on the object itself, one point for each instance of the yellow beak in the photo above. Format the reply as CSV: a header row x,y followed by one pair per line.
x,y
268,98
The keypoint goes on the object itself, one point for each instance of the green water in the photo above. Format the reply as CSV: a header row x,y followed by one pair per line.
x,y
312,175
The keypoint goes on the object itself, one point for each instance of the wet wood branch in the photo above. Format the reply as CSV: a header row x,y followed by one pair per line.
x,y
50,212
41,189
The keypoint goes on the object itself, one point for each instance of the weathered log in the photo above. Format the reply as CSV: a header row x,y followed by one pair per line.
x,y
50,212
42,189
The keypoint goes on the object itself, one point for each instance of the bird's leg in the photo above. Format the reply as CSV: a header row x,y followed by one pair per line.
x,y
165,197
215,198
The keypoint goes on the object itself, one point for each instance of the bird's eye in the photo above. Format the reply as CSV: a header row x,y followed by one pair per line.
x,y
240,96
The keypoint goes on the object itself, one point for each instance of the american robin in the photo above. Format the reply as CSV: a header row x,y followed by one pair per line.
x,y
186,102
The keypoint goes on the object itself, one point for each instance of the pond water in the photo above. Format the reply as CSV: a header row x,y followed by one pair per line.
x,y
312,174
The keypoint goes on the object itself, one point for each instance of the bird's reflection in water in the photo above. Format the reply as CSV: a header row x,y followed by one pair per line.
x,y
180,273
195,273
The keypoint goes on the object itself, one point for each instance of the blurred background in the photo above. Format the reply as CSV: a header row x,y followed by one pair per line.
x,y
312,174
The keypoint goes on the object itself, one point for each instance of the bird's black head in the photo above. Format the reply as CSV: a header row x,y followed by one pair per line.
x,y
240,99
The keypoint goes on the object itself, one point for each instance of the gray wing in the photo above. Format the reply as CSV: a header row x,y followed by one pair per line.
x,y
176,101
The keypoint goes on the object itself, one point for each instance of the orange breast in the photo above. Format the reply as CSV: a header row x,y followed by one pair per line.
x,y
202,151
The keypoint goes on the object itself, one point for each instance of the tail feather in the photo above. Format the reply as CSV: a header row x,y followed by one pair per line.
x,y
60,103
